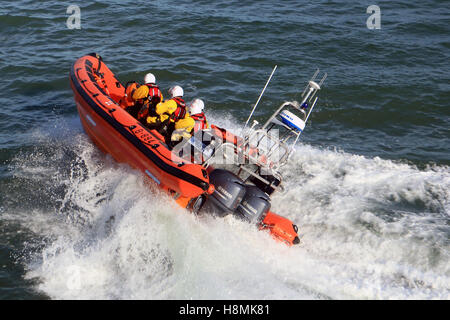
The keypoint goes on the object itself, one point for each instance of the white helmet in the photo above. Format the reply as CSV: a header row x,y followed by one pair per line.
x,y
196,106
176,91
149,78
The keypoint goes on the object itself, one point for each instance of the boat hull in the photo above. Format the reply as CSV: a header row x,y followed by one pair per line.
x,y
97,93
116,132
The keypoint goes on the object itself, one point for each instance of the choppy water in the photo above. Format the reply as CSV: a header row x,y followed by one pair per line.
x,y
368,186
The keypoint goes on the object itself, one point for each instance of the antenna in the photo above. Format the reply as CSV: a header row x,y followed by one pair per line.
x,y
312,79
254,108
323,79
311,88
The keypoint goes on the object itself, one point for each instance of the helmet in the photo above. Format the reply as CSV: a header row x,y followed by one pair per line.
x,y
196,106
140,93
149,78
176,91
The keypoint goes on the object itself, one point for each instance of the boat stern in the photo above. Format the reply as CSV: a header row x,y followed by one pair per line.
x,y
281,228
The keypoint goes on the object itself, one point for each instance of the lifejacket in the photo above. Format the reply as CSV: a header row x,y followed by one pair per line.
x,y
200,121
143,112
127,100
148,109
180,111
154,93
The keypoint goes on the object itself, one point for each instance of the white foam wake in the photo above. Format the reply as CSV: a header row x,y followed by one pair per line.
x,y
371,229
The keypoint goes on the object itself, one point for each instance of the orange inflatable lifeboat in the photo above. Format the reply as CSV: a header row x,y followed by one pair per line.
x,y
97,94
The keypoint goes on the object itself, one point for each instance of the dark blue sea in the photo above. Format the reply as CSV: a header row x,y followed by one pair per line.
x,y
368,185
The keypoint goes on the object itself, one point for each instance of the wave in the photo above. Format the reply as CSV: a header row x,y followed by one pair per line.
x,y
370,228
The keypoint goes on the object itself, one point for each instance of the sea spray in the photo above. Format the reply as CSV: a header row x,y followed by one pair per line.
x,y
366,233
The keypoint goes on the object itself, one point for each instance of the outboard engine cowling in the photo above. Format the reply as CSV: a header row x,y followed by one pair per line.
x,y
254,206
228,194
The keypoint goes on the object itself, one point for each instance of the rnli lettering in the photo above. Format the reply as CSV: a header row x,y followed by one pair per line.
x,y
143,135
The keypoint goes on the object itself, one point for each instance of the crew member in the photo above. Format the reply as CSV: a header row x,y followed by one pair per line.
x,y
182,130
172,117
154,97
196,111
134,99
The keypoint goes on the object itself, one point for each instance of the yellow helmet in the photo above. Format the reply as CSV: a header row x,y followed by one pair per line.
x,y
140,93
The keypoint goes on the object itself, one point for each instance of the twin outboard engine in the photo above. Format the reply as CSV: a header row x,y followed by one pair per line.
x,y
228,194
233,196
255,205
